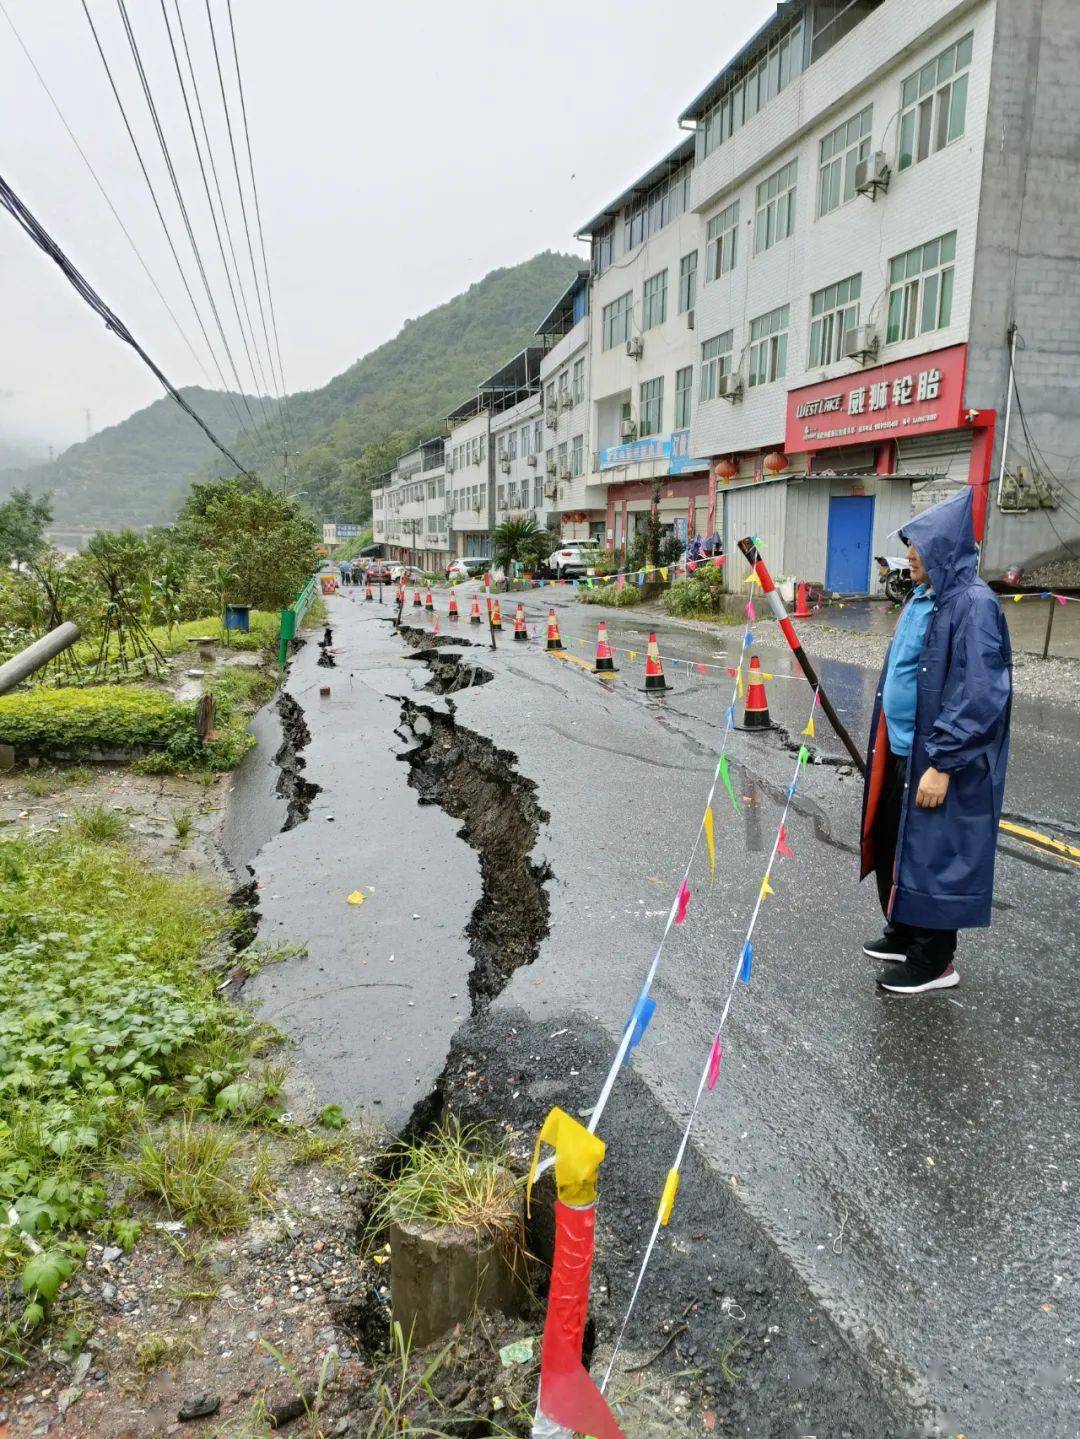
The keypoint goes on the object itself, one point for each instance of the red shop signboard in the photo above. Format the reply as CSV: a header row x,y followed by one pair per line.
x,y
889,402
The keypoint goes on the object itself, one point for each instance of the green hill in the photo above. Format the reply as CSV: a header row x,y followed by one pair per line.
x,y
343,433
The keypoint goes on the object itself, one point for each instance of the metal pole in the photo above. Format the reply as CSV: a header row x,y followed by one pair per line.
x,y
1008,411
31,659
776,604
1049,626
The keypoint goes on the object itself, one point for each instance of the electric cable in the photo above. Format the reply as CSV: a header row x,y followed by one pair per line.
x,y
41,237
242,429
105,196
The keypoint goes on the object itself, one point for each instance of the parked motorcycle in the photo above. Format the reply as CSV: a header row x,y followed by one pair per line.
x,y
895,575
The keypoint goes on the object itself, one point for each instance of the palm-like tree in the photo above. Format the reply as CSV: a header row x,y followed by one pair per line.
x,y
519,538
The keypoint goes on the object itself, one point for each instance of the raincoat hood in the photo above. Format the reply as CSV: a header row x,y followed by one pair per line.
x,y
944,536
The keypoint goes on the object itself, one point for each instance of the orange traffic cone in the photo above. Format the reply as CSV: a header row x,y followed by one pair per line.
x,y
435,625
417,602
452,612
495,616
756,713
474,613
367,591
553,640
429,603
521,629
654,669
802,609
605,660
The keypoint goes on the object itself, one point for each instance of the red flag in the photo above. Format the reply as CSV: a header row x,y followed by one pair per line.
x,y
782,844
683,903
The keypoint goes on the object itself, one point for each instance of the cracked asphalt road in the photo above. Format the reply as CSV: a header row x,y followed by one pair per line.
x,y
914,1162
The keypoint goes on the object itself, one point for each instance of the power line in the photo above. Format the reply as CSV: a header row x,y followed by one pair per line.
x,y
262,239
105,196
82,286
259,379
166,155
164,224
236,170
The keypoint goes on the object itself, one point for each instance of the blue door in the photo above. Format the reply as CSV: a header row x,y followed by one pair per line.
x,y
851,526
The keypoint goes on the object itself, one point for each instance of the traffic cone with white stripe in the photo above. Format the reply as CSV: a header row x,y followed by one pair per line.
x,y
521,629
495,615
802,609
367,591
416,600
756,712
655,682
605,658
553,640
475,617
452,612
429,603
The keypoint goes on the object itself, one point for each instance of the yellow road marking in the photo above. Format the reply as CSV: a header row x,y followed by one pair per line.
x,y
1070,853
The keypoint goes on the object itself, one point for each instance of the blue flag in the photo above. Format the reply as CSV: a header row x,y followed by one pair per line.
x,y
639,1023
747,961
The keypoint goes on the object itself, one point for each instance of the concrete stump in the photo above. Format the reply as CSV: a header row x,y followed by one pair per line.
x,y
441,1276
7,758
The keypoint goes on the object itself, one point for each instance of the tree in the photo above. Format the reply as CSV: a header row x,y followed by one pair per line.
x,y
23,521
262,539
520,539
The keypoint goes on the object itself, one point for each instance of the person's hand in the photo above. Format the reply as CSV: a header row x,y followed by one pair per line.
x,y
933,787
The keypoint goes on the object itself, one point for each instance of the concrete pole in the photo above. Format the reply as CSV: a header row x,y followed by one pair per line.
x,y
27,661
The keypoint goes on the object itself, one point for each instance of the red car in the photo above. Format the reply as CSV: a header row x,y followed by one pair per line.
x,y
377,573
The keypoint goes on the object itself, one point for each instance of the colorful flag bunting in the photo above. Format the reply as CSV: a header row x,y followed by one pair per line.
x,y
682,903
766,888
809,730
702,669
633,655
731,716
748,638
644,1010
782,844
804,755
710,837
739,683
731,672
747,961
663,573
749,611
667,1199
714,1064
727,783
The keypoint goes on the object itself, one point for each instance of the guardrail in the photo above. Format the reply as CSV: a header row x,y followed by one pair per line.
x,y
291,619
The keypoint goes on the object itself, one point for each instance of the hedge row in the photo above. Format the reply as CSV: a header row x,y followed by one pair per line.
x,y
71,720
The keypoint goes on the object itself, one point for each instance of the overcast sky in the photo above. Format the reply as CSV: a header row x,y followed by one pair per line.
x,y
402,152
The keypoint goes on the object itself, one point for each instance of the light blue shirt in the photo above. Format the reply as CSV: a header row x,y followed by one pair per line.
x,y
899,695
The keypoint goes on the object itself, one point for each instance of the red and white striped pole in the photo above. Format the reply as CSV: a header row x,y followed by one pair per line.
x,y
776,604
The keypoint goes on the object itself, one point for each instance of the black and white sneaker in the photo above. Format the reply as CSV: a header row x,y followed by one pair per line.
x,y
900,980
888,949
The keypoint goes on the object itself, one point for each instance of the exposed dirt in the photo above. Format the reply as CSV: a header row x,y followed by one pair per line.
x,y
297,791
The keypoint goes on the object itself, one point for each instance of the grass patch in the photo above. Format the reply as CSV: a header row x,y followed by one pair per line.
x,y
155,1351
701,596
262,635
99,825
182,824
630,594
189,1168
460,1177
109,1021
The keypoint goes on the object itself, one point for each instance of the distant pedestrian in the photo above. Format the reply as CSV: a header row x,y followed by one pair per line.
x,y
345,569
357,572
939,744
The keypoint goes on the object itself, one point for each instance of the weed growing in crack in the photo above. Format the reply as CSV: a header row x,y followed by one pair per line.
x,y
189,1168
99,825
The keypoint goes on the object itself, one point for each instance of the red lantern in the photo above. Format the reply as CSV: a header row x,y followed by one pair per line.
x,y
726,470
775,462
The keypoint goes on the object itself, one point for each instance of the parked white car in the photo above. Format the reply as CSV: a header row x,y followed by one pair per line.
x,y
467,567
573,558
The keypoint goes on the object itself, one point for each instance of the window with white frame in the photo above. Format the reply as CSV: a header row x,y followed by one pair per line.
x,y
687,282
651,407
768,347
615,321
777,64
654,300
715,361
538,492
921,289
562,459
538,437
549,461
512,494
833,311
933,104
579,381
775,218
502,497
511,445
684,381
577,455
839,154
526,441
722,242
564,388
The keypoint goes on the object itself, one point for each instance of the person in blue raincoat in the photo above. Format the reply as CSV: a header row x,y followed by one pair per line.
x,y
939,744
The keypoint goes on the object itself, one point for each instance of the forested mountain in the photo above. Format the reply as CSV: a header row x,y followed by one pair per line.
x,y
137,472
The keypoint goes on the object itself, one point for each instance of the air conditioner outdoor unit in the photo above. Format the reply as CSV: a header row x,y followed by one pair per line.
x,y
551,467
551,489
564,474
635,347
531,460
872,174
551,417
861,343
504,465
730,387
629,431
566,401
689,319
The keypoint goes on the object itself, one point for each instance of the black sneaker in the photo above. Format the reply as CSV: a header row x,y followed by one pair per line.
x,y
889,948
899,979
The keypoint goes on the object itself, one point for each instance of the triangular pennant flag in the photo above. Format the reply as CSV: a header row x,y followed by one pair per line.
x,y
355,898
752,578
809,730
727,783
663,573
748,638
1017,599
747,961
667,1199
633,655
682,903
710,837
641,579
731,716
804,755
718,561
782,844
644,1010
766,888
714,1064
702,669
739,684
731,671
749,611
620,580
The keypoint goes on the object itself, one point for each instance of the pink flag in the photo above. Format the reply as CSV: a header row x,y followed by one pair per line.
x,y
682,903
620,581
702,669
714,1064
782,844
731,671
751,613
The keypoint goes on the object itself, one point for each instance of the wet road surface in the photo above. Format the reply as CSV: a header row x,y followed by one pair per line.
x,y
915,1161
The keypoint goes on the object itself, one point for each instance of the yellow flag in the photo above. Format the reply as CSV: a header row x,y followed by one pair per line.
x,y
356,897
663,573
667,1199
578,1156
809,730
710,837
766,888
633,656
752,578
1017,599
738,683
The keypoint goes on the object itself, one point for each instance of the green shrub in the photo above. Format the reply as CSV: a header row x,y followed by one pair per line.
x,y
77,720
630,594
701,593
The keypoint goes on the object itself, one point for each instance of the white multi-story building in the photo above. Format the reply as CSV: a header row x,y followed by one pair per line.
x,y
411,506
564,377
